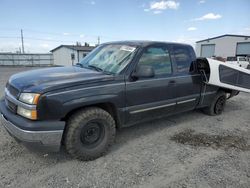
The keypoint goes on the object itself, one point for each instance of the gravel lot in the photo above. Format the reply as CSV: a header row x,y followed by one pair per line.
x,y
186,150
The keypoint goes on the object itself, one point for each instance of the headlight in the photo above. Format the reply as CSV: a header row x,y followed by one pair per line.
x,y
29,98
30,114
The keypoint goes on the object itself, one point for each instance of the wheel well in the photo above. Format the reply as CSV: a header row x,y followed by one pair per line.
x,y
229,91
109,107
225,90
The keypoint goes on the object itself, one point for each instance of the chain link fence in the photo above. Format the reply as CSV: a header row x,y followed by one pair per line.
x,y
12,59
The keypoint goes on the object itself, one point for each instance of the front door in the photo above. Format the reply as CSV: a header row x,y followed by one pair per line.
x,y
148,98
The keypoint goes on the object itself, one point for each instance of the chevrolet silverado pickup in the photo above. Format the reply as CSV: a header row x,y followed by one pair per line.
x,y
118,84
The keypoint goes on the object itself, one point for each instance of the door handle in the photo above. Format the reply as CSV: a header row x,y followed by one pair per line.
x,y
171,82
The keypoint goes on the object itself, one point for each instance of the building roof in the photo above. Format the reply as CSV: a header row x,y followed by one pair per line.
x,y
226,35
74,47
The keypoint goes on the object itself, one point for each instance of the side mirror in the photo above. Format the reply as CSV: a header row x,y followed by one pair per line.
x,y
144,71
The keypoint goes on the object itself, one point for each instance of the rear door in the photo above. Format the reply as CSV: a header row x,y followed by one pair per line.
x,y
187,80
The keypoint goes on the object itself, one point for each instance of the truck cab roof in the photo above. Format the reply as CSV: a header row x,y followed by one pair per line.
x,y
145,43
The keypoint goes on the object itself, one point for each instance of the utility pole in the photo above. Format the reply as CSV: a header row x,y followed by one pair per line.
x,y
98,39
22,41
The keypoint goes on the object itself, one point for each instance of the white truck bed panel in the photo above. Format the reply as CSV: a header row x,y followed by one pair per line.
x,y
228,76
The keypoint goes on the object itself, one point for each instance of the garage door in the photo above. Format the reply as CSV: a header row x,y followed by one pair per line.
x,y
207,50
243,48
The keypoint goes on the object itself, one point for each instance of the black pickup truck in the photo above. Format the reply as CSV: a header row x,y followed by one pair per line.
x,y
117,85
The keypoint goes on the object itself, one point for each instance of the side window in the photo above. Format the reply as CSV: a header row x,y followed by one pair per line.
x,y
158,58
183,59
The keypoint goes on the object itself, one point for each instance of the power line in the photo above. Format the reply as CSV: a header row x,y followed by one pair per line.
x,y
71,36
62,34
40,39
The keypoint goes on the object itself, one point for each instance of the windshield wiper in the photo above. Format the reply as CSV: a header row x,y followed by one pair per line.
x,y
99,69
96,68
80,65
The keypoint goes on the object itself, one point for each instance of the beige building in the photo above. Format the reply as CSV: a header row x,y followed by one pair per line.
x,y
224,46
66,55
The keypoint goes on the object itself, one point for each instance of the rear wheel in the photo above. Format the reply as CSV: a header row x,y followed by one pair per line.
x,y
89,133
217,106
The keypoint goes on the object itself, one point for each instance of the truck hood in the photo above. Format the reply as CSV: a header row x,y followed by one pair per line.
x,y
43,80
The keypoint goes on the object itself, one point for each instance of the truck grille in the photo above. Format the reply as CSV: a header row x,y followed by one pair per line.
x,y
13,91
11,105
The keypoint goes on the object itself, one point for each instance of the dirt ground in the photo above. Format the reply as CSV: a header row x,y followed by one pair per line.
x,y
186,150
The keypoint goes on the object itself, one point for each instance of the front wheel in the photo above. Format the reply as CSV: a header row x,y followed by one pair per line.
x,y
218,104
89,133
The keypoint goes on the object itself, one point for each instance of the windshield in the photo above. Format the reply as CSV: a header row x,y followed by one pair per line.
x,y
109,58
242,59
231,58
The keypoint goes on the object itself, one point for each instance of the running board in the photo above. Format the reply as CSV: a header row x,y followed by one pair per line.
x,y
224,75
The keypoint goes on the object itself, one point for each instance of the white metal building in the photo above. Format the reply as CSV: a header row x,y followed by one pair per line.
x,y
62,55
224,46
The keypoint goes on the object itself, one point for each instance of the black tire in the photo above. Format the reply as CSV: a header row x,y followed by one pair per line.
x,y
89,133
217,106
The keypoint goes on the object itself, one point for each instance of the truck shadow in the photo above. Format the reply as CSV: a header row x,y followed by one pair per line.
x,y
139,130
128,134
136,131
232,106
186,136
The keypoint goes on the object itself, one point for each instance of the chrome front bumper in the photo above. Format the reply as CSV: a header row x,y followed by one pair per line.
x,y
51,140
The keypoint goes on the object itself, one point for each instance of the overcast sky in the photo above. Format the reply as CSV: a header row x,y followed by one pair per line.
x,y
49,23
